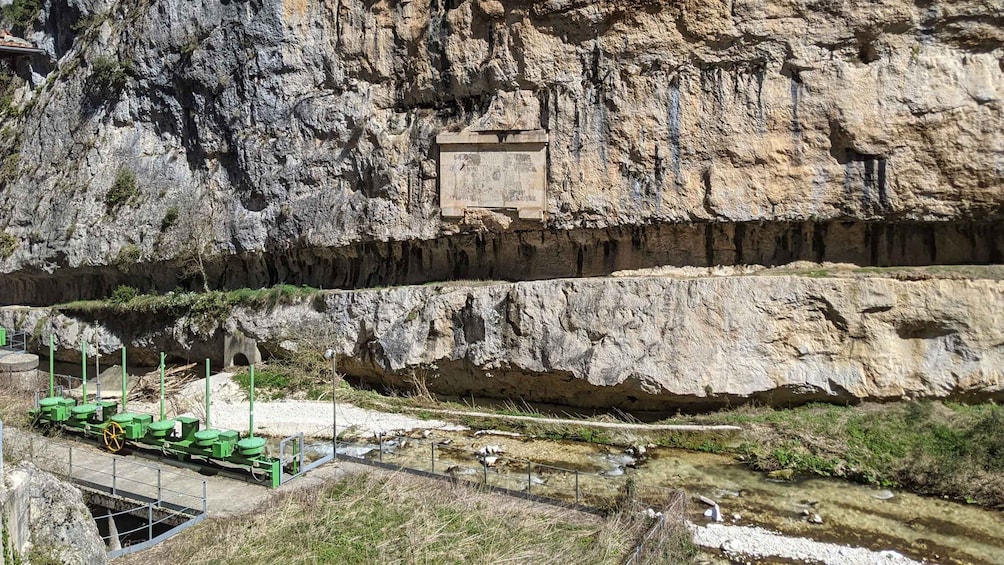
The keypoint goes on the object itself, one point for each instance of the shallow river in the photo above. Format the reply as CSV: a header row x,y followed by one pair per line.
x,y
921,527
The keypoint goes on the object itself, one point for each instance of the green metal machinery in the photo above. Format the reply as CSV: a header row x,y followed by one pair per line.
x,y
181,437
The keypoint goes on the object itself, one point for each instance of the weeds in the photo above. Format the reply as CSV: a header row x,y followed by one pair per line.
x,y
381,518
20,13
8,244
207,305
924,446
122,191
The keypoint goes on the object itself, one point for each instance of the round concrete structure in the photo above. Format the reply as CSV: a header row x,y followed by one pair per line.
x,y
19,372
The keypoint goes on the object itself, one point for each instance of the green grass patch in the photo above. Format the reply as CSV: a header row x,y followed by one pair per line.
x,y
924,446
385,518
210,306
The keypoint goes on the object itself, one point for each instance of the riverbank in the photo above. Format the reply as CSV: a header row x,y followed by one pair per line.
x,y
927,447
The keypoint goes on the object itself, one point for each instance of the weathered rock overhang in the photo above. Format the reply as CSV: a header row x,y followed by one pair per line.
x,y
534,255
643,343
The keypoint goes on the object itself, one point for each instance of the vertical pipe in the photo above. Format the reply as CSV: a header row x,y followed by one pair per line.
x,y
251,415
334,412
97,366
161,385
203,496
83,368
52,365
529,476
114,475
433,457
207,394
576,486
125,400
149,521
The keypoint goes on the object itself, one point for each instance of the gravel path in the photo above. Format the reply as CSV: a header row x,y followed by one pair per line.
x,y
739,541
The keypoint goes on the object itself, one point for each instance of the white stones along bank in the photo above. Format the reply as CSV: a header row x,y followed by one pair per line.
x,y
745,541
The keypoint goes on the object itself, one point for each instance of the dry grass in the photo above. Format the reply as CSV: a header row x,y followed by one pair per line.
x,y
397,518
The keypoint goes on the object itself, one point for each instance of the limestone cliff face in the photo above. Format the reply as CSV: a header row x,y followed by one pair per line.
x,y
169,130
49,516
640,343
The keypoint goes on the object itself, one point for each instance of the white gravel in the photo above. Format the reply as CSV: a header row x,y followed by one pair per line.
x,y
230,410
738,541
286,418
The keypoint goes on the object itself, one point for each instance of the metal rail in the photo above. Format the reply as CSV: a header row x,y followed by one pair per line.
x,y
582,490
120,481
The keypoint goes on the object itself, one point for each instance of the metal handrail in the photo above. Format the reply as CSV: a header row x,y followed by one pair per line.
x,y
573,491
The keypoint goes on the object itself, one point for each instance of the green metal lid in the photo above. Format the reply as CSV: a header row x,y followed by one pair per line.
x,y
84,409
207,435
124,417
251,445
50,401
162,425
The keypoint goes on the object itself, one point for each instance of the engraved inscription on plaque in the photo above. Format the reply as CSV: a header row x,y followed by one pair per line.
x,y
489,170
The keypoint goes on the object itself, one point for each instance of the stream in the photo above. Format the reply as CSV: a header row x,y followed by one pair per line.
x,y
924,528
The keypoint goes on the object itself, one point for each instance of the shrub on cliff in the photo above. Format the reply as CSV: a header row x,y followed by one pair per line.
x,y
20,13
122,191
8,244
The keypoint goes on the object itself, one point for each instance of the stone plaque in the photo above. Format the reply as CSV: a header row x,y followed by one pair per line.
x,y
493,170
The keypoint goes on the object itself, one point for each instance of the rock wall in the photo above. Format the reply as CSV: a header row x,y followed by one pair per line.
x,y
162,134
48,516
639,343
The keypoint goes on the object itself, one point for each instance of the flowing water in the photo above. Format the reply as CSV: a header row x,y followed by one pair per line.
x,y
928,528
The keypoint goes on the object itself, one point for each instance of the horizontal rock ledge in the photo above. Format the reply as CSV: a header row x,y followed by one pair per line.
x,y
645,344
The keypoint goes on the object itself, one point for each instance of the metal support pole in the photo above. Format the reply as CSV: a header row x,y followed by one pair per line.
x,y
208,425
83,369
149,521
114,476
433,457
97,365
380,437
484,465
159,498
161,385
125,400
204,497
71,461
52,365
251,414
576,487
334,409
529,480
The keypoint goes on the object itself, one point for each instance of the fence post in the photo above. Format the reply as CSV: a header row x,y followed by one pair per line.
x,y
484,465
149,521
529,480
203,497
576,486
433,457
71,459
114,475
380,437
159,499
